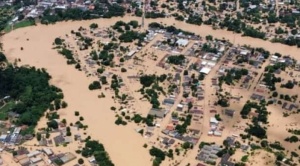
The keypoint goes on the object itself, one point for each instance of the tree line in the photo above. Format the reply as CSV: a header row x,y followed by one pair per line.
x,y
105,11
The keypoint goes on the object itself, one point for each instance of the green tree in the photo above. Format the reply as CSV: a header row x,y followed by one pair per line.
x,y
2,57
64,104
38,136
123,70
64,121
275,94
186,145
209,37
52,124
134,23
47,135
58,41
176,59
94,26
31,86
157,153
95,85
147,80
80,161
264,143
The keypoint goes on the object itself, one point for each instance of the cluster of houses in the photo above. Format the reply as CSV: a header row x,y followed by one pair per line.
x,y
172,134
43,156
215,130
164,46
173,43
36,10
207,62
209,153
215,127
14,137
287,60
245,54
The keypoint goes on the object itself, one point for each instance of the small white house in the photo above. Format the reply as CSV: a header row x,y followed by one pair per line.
x,y
182,42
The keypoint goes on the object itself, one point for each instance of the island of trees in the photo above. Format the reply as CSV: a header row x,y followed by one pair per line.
x,y
28,93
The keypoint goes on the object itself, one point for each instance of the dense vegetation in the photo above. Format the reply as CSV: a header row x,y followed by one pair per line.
x,y
2,57
96,149
239,26
95,85
269,77
151,88
260,109
176,59
170,29
68,54
130,36
155,15
5,15
78,14
233,75
158,154
182,129
30,92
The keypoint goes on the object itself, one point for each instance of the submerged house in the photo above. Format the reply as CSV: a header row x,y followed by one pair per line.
x,y
159,113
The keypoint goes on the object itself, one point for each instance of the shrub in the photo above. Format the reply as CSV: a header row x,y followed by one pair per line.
x,y
80,161
94,26
2,57
275,94
52,124
64,104
95,85
123,70
58,41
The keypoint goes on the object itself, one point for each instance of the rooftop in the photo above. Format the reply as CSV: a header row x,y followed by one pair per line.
x,y
160,113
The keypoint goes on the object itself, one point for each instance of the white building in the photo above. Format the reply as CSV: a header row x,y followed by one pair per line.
x,y
182,42
205,70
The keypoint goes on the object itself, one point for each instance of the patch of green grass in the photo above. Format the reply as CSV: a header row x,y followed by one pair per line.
x,y
3,115
21,24
7,107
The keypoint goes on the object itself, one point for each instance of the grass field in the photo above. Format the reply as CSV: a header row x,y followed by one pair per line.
x,y
21,24
6,108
